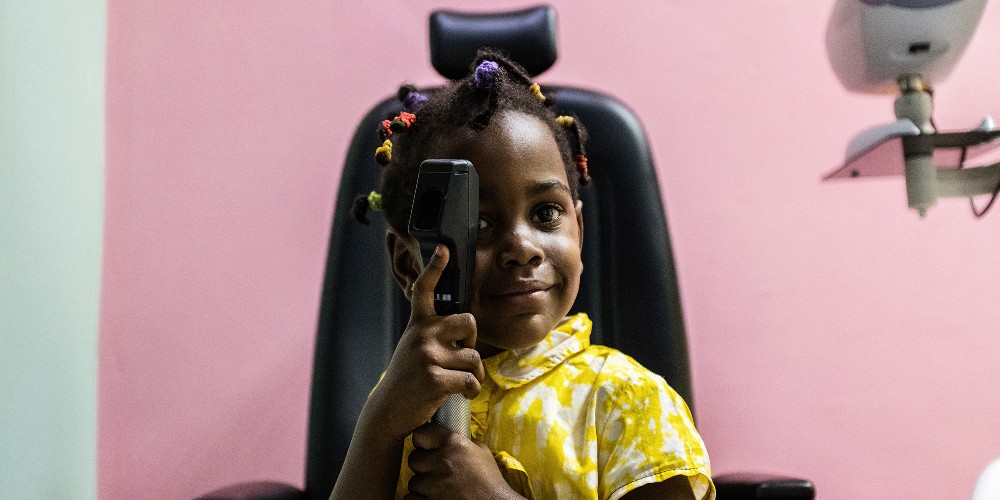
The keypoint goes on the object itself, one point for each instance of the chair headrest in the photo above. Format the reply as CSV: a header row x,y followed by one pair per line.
x,y
528,36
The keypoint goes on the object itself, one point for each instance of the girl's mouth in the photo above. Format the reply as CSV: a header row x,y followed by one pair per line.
x,y
520,293
516,287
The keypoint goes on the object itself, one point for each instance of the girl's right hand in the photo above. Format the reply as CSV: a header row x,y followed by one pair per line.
x,y
435,357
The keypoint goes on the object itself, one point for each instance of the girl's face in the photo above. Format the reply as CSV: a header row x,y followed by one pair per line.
x,y
530,231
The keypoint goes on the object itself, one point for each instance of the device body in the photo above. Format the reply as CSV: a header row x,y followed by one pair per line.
x,y
871,43
446,210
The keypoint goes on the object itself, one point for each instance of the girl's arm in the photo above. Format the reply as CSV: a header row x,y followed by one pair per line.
x,y
426,367
371,467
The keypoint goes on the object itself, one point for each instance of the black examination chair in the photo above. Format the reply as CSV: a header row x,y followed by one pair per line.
x,y
629,285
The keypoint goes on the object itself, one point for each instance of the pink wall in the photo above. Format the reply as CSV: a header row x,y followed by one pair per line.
x,y
834,335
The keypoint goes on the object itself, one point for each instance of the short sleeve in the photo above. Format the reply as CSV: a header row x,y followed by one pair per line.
x,y
646,433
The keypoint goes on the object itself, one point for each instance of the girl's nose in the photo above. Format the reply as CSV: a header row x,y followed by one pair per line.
x,y
520,247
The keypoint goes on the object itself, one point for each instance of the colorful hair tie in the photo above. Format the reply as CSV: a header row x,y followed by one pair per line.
x,y
565,121
486,74
413,100
535,89
383,154
361,205
581,167
384,129
375,201
402,122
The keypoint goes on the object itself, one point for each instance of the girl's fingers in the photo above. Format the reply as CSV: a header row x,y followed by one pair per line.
x,y
422,302
456,382
459,329
430,437
462,359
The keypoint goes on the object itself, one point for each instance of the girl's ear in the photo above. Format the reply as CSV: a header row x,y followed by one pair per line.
x,y
579,219
405,262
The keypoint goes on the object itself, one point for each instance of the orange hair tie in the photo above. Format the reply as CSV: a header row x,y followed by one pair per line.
x,y
385,128
581,166
402,122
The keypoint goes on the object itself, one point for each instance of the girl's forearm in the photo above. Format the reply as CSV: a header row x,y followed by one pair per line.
x,y
371,468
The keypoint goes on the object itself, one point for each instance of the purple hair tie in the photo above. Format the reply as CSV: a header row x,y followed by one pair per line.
x,y
486,74
414,99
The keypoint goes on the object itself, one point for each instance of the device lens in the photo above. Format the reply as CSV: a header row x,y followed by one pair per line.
x,y
428,210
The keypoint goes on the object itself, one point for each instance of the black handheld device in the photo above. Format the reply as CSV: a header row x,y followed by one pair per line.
x,y
446,210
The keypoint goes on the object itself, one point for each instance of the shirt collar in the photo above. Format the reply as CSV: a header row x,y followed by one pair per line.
x,y
516,367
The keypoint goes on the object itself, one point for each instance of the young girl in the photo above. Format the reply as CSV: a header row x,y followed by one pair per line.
x,y
552,416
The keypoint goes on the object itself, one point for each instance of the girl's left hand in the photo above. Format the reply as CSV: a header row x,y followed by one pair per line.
x,y
447,465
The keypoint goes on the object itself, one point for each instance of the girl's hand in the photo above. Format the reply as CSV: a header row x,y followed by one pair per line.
x,y
447,465
436,357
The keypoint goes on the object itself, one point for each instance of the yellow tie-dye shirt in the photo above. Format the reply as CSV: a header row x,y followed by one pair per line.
x,y
570,420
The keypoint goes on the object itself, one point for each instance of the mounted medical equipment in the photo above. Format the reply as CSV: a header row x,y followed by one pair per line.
x,y
905,47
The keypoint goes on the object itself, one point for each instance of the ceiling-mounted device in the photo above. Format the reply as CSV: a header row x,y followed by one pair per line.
x,y
904,47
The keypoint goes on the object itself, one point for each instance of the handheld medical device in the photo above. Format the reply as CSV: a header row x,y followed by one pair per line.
x,y
446,210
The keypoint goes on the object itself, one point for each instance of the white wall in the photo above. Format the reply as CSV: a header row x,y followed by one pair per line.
x,y
51,212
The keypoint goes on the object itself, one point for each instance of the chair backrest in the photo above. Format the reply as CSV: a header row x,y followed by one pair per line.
x,y
629,284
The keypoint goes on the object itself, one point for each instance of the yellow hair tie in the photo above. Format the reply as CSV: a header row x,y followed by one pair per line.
x,y
565,121
383,154
375,201
535,89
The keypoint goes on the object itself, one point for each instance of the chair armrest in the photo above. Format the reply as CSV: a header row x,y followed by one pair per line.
x,y
260,490
746,485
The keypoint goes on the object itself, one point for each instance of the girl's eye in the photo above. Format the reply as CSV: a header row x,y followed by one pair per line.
x,y
547,214
483,224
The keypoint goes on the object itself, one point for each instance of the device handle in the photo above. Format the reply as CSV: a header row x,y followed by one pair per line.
x,y
455,415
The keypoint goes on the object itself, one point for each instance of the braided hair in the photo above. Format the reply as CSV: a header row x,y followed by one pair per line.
x,y
495,84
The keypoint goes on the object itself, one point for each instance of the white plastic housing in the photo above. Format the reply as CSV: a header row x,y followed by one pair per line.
x,y
871,43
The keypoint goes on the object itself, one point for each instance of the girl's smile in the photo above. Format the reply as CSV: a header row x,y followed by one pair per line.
x,y
527,294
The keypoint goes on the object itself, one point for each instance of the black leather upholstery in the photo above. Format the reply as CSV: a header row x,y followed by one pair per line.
x,y
263,490
527,36
763,487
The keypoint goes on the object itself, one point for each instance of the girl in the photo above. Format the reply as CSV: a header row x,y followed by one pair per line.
x,y
552,415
